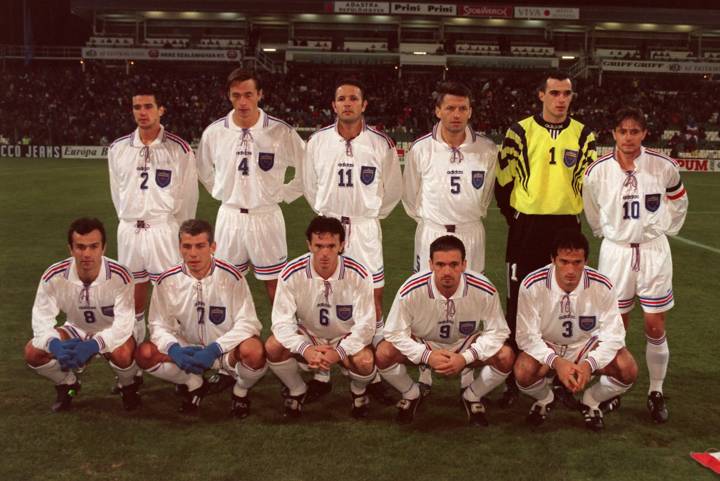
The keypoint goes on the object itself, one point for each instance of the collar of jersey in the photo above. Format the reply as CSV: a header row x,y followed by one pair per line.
x,y
469,134
338,274
72,276
549,125
458,294
185,270
337,132
136,142
556,288
230,123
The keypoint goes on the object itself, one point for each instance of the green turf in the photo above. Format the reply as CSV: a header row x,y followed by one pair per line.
x,y
98,440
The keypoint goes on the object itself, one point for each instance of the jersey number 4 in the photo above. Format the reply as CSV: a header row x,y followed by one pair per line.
x,y
243,167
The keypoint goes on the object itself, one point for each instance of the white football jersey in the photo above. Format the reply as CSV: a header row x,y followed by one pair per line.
x,y
448,185
341,306
588,315
245,168
153,181
353,178
105,308
421,313
637,206
218,308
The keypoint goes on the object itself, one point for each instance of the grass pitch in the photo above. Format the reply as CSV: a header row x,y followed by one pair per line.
x,y
98,440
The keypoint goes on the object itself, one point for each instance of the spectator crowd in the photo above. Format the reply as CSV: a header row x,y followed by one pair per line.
x,y
51,105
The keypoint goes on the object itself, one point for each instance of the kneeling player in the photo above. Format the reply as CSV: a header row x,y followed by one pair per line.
x,y
95,293
449,319
323,315
202,316
568,320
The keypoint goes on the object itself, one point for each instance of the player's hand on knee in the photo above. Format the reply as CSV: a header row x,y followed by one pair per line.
x,y
205,358
83,351
438,358
567,372
329,358
584,373
182,356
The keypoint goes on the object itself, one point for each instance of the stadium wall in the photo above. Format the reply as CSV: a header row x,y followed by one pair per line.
x,y
18,151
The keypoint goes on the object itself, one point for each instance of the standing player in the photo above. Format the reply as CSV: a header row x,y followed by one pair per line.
x,y
449,319
352,172
323,315
153,184
96,295
539,175
449,178
242,160
568,321
634,198
202,316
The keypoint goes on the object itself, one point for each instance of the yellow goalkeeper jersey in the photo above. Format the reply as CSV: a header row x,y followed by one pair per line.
x,y
546,162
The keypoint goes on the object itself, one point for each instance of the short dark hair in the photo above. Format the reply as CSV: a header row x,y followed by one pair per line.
x,y
447,243
85,225
241,75
195,227
555,75
325,225
571,239
631,113
148,89
350,81
451,88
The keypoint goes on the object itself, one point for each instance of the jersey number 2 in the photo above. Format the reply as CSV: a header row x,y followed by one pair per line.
x,y
143,184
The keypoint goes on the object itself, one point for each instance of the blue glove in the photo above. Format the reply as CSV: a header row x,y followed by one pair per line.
x,y
83,351
61,351
182,356
205,358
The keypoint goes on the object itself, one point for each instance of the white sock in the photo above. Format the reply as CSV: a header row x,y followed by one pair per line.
x,y
126,376
540,390
52,371
168,371
425,375
657,356
289,374
467,376
246,378
488,379
397,376
606,388
358,382
139,329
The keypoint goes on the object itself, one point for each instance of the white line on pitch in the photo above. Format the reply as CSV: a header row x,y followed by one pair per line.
x,y
696,244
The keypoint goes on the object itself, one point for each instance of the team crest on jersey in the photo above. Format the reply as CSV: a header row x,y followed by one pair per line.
x,y
108,311
478,178
162,177
266,160
652,202
344,313
587,323
570,158
466,327
367,174
216,314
